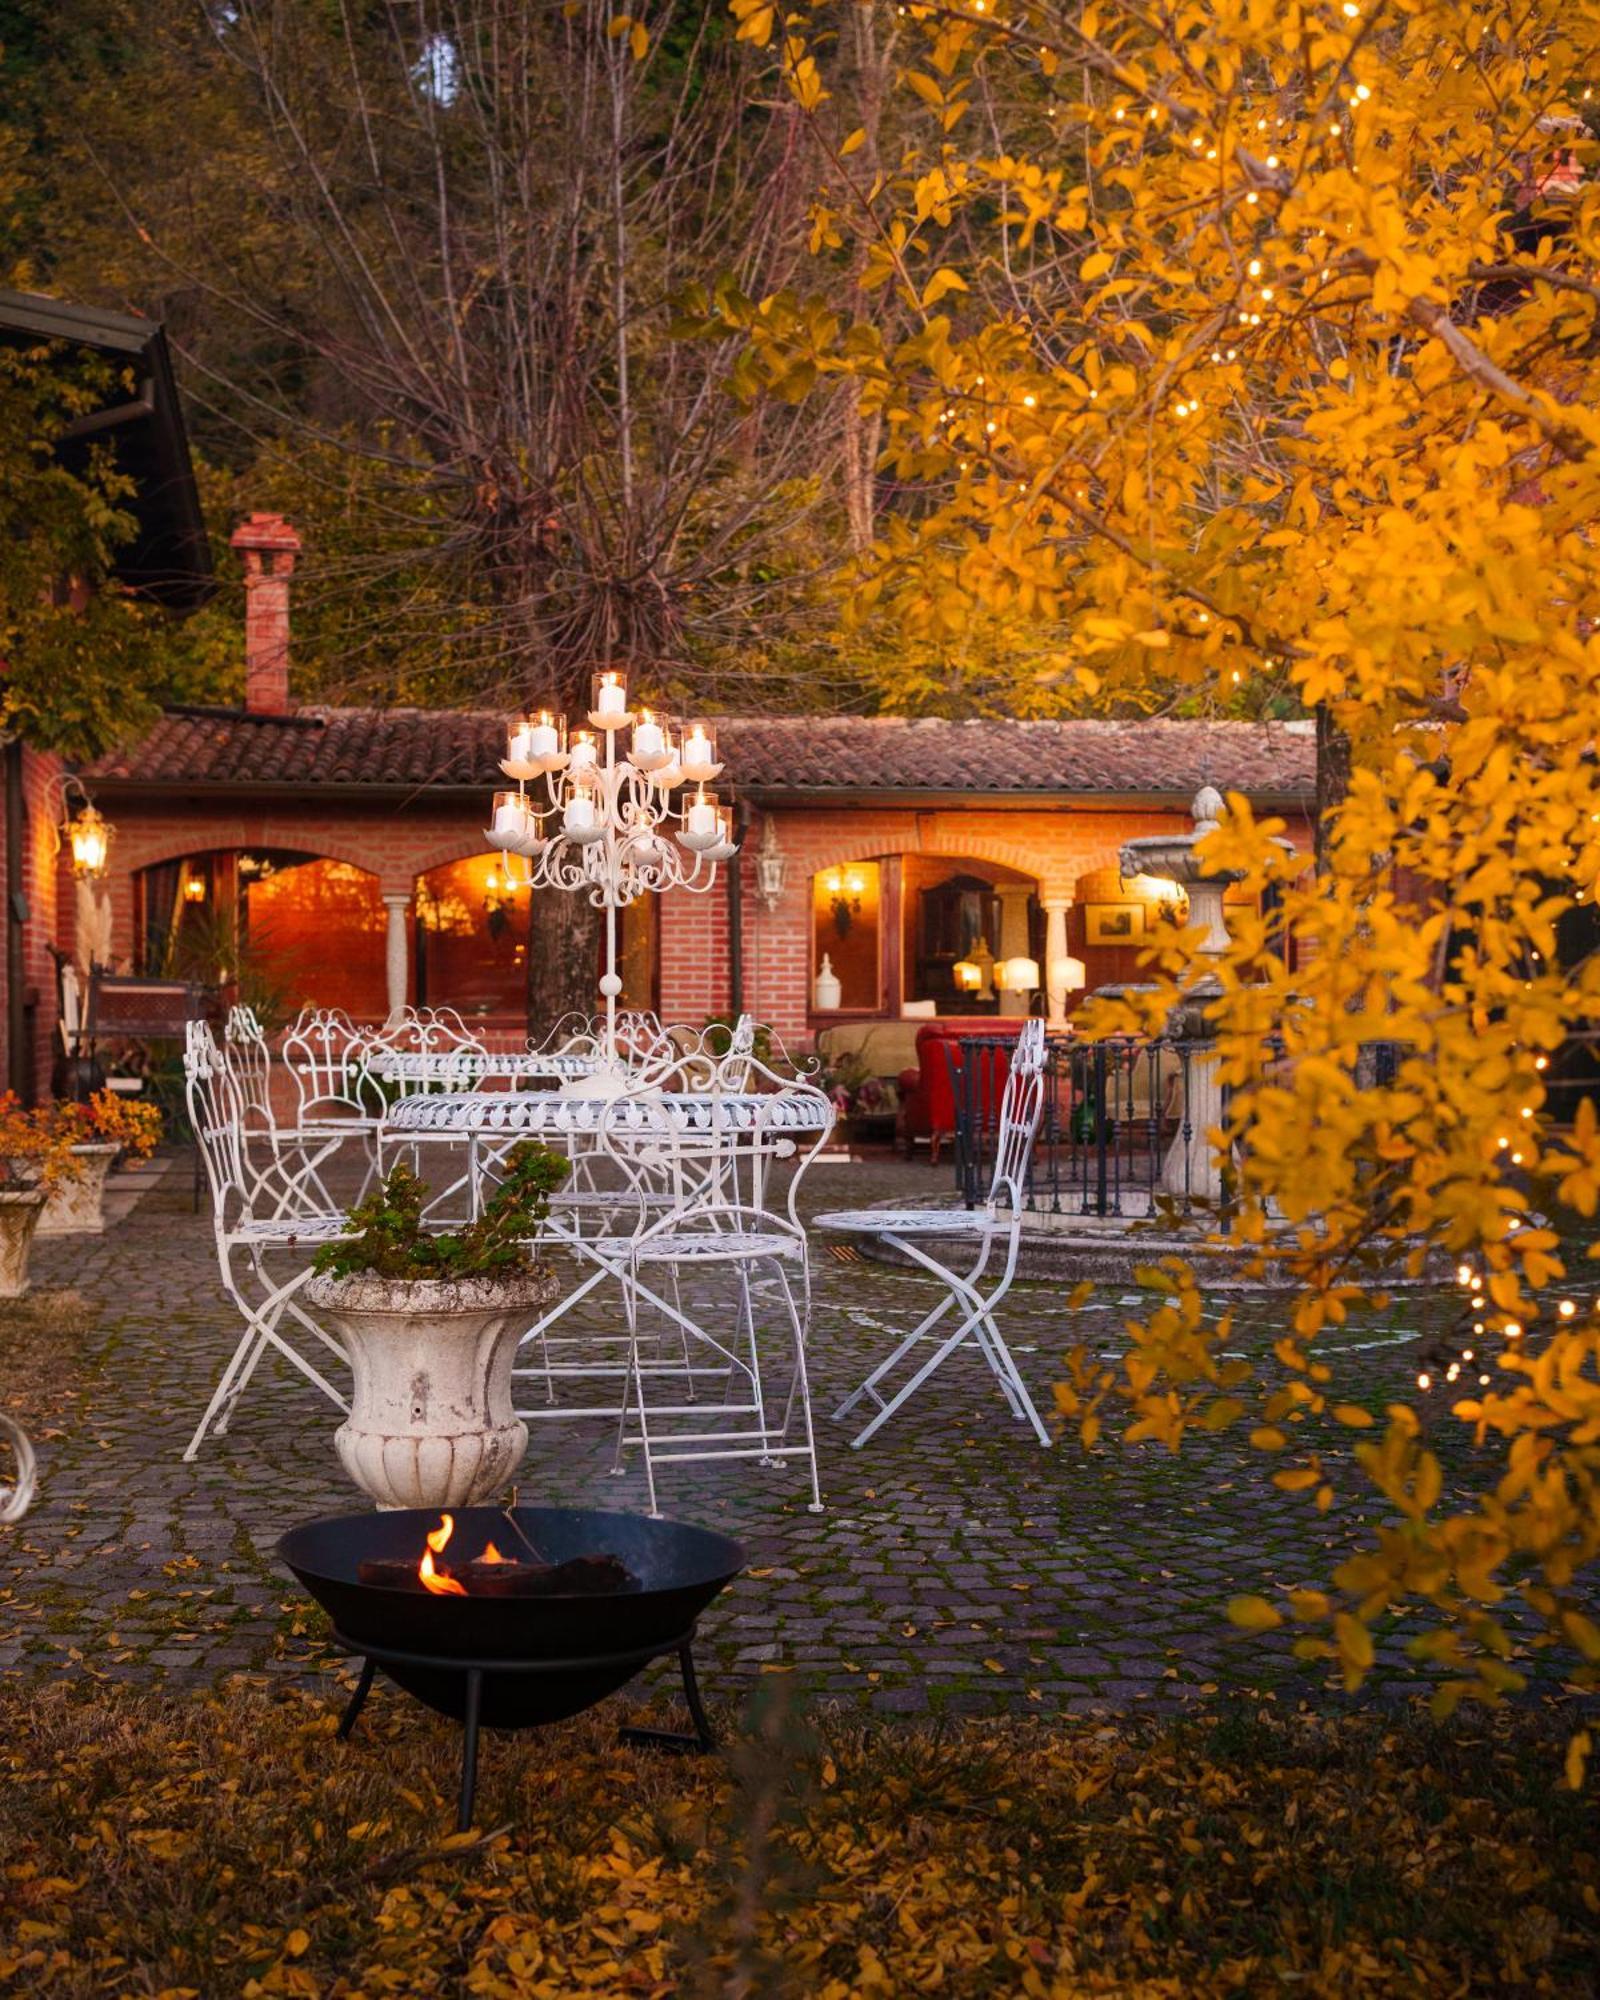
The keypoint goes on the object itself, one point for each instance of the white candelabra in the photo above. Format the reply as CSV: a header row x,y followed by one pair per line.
x,y
609,823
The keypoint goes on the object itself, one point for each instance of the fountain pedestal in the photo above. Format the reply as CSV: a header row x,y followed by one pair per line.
x,y
1191,1169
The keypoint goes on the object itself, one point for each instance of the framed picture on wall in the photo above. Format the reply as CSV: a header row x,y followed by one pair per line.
x,y
1113,923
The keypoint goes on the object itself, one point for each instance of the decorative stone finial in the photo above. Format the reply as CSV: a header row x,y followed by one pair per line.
x,y
1207,809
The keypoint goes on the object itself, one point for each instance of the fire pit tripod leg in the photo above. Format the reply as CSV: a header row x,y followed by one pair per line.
x,y
469,1748
702,1740
358,1700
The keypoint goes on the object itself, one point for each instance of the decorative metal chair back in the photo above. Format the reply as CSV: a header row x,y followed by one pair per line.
x,y
703,1138
216,1119
439,1031
323,1053
1021,1104
424,1041
244,1045
573,1034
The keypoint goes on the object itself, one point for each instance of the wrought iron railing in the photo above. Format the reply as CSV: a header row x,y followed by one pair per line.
x,y
1114,1113
1115,1137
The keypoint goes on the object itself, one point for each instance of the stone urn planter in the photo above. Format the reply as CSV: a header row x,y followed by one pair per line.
x,y
20,1209
431,1422
77,1207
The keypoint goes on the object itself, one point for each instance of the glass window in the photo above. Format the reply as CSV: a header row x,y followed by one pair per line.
x,y
846,906
314,932
472,939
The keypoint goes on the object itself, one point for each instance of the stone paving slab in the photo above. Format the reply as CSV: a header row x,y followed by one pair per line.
x,y
958,1566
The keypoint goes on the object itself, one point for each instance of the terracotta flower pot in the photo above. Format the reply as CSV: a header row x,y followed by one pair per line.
x,y
431,1422
76,1207
20,1209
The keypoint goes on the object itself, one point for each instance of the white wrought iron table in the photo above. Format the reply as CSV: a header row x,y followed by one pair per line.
x,y
461,1067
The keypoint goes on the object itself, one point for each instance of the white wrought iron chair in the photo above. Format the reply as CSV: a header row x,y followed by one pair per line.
x,y
324,1053
255,1212
249,1058
701,1166
604,1196
994,1231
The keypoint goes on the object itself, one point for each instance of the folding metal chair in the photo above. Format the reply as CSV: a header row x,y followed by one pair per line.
x,y
715,1152
255,1211
994,1231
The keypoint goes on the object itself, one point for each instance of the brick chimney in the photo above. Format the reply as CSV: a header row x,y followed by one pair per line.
x,y
268,546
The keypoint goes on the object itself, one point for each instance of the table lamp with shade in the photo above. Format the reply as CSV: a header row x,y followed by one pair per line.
x,y
1017,975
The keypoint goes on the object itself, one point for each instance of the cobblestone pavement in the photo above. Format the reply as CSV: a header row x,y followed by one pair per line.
x,y
958,1566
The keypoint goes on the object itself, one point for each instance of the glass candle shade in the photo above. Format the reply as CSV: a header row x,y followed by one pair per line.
x,y
514,828
608,702
583,753
697,754
651,748
702,822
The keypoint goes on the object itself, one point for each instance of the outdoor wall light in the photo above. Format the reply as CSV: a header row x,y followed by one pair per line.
x,y
772,867
194,886
89,841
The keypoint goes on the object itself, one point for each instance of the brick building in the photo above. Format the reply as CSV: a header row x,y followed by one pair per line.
x,y
347,846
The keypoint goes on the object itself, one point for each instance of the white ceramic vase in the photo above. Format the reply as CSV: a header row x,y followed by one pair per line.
x,y
77,1207
20,1209
431,1422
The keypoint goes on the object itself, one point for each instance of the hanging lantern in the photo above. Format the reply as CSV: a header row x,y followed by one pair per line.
x,y
89,838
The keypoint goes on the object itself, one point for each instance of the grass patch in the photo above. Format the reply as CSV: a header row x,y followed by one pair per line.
x,y
232,1847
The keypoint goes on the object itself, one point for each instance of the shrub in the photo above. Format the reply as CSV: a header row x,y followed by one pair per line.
x,y
390,1238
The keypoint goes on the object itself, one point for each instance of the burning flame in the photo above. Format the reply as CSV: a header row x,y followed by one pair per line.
x,y
492,1555
430,1579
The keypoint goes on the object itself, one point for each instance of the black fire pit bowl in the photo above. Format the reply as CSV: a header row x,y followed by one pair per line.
x,y
511,1663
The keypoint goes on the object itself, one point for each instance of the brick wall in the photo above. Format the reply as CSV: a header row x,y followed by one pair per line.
x,y
1057,846
47,890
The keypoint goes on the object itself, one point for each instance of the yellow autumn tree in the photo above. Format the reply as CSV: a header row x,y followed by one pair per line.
x,y
1250,348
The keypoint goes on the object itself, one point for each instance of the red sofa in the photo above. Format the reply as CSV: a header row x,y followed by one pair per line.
x,y
927,1095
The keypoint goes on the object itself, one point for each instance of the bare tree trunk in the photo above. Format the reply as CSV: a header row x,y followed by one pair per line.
x,y
1333,775
563,958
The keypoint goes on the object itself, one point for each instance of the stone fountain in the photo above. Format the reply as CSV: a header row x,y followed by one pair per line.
x,y
1190,1167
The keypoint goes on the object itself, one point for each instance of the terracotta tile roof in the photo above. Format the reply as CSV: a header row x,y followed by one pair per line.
x,y
417,749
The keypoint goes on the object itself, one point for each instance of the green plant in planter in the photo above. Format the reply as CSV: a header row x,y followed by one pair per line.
x,y
391,1240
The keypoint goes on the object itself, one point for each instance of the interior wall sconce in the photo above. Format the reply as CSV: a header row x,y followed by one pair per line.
x,y
194,884
844,889
497,898
772,867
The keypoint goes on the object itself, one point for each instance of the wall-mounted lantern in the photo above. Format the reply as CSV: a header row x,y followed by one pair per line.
x,y
772,867
88,838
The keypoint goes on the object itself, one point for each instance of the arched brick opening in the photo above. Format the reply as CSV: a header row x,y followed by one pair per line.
x,y
278,927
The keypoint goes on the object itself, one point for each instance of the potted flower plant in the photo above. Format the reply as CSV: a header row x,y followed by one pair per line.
x,y
431,1323
34,1160
98,1134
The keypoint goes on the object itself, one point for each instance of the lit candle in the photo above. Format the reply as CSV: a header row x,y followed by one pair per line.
x,y
584,754
519,749
697,759
701,818
510,816
610,698
578,816
648,740
543,739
